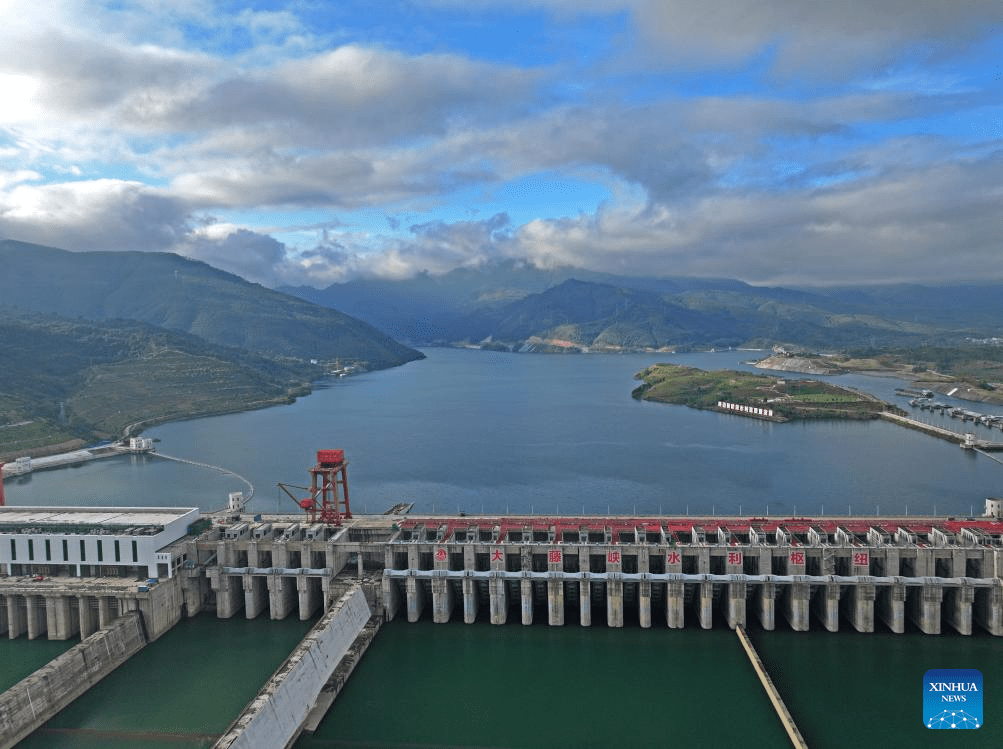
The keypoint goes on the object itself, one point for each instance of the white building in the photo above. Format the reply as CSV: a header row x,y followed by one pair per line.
x,y
92,541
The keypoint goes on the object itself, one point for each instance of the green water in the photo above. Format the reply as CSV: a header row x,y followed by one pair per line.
x,y
428,685
19,658
457,685
865,690
181,691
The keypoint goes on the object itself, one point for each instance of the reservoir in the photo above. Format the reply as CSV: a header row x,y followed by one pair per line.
x,y
531,434
473,431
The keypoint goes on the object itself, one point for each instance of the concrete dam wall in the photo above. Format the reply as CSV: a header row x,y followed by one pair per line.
x,y
274,718
37,698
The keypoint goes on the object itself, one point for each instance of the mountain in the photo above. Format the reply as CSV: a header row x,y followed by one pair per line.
x,y
515,305
179,294
72,382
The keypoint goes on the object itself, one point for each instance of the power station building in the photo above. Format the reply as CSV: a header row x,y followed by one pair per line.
x,y
92,541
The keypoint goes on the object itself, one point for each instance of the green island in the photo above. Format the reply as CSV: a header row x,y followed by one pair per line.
x,y
789,399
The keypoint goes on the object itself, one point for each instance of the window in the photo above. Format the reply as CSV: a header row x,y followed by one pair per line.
x,y
48,550
83,551
100,550
118,552
66,550
31,550
135,551
13,549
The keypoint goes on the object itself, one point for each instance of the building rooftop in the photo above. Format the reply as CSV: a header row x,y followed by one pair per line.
x,y
110,518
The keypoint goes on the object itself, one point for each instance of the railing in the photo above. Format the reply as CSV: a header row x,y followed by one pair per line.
x,y
672,577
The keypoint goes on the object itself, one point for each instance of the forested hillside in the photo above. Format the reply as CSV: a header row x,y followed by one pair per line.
x,y
72,382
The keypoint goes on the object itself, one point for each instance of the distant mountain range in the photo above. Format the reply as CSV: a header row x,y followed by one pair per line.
x,y
518,307
178,294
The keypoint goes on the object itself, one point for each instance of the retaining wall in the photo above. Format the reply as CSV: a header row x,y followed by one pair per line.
x,y
275,716
37,698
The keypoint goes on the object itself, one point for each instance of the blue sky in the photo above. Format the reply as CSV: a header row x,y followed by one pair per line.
x,y
314,142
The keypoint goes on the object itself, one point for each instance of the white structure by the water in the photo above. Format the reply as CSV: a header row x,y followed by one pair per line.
x,y
91,541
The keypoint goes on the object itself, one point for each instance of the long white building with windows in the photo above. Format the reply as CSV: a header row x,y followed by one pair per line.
x,y
92,541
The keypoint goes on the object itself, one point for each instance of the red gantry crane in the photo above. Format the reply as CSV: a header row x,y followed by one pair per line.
x,y
328,500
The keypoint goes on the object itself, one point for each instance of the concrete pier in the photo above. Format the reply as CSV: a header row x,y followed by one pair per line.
x,y
498,600
555,588
35,610
674,605
470,600
442,600
526,597
585,603
766,606
555,603
229,593
281,596
925,607
644,604
891,607
958,606
107,611
415,599
62,621
255,595
827,606
735,608
614,603
860,605
87,616
797,595
988,609
308,590
614,587
704,602
17,617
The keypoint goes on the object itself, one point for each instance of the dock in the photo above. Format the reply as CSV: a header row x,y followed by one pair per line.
x,y
965,440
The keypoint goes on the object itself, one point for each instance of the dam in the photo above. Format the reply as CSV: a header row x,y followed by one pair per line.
x,y
672,571
69,572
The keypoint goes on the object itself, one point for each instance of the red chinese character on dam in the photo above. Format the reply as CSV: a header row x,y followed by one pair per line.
x,y
440,554
861,559
673,557
554,556
734,557
496,555
613,557
797,557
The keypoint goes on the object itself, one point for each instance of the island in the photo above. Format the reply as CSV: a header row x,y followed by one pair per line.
x,y
760,396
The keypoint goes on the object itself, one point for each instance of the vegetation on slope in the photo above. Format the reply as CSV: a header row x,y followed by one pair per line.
x,y
789,399
69,382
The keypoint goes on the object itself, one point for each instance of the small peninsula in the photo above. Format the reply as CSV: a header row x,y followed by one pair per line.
x,y
781,399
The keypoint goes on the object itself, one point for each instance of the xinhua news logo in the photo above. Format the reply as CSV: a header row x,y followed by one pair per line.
x,y
952,698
